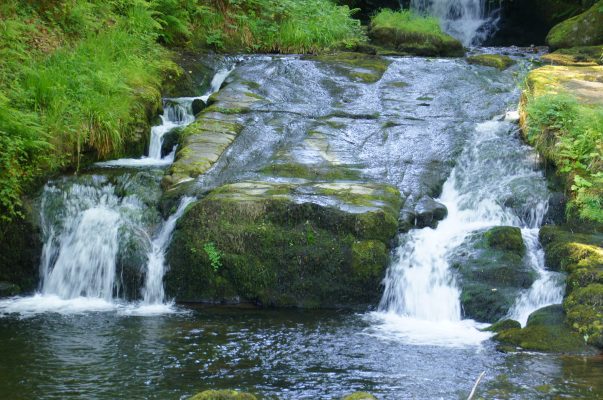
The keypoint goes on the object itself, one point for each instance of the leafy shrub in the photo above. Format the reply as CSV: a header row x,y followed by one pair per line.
x,y
571,135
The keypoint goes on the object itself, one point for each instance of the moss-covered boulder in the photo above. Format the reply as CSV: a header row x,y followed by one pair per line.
x,y
222,395
359,396
581,56
503,325
581,256
546,331
491,272
405,33
585,29
285,244
498,61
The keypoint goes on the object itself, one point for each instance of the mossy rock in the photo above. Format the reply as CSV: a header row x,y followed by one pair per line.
x,y
20,249
581,56
568,251
498,61
585,29
545,331
277,251
491,272
584,307
503,325
359,396
416,43
506,238
222,395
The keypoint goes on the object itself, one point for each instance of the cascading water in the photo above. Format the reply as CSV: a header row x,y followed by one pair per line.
x,y
153,292
177,113
421,299
470,21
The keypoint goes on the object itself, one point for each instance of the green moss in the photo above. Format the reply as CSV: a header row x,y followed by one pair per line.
x,y
407,33
498,61
359,396
222,395
585,29
505,238
579,56
311,172
545,331
503,325
358,66
569,251
584,307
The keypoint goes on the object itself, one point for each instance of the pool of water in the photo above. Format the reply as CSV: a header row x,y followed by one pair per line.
x,y
275,354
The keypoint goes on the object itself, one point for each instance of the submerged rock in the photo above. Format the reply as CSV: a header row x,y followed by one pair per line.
x,y
222,395
498,61
585,29
285,244
546,331
358,67
491,272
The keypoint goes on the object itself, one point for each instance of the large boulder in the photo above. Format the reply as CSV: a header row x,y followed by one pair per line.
x,y
285,244
545,331
491,272
585,29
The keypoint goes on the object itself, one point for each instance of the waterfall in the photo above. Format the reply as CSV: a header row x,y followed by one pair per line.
x,y
153,292
470,21
421,298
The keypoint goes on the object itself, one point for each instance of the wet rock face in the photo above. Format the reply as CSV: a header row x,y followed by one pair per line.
x,y
546,331
491,272
278,248
428,212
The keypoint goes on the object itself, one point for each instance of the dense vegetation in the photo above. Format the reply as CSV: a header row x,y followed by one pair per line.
x,y
570,134
81,78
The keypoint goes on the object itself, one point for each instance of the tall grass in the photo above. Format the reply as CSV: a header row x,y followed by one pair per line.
x,y
407,21
571,135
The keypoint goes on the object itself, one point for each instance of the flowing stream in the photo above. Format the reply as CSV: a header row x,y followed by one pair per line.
x,y
101,325
470,21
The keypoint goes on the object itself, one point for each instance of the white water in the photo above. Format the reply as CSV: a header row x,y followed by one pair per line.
x,y
467,20
548,288
421,302
153,292
177,113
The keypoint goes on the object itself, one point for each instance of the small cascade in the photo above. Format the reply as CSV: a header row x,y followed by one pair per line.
x,y
548,289
82,224
470,21
421,298
177,113
153,292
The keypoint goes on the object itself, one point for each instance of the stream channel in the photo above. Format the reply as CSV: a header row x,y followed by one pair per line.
x,y
430,127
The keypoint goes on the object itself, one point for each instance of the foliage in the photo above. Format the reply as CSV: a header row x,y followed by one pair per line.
x,y
571,135
406,20
214,255
79,78
285,26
